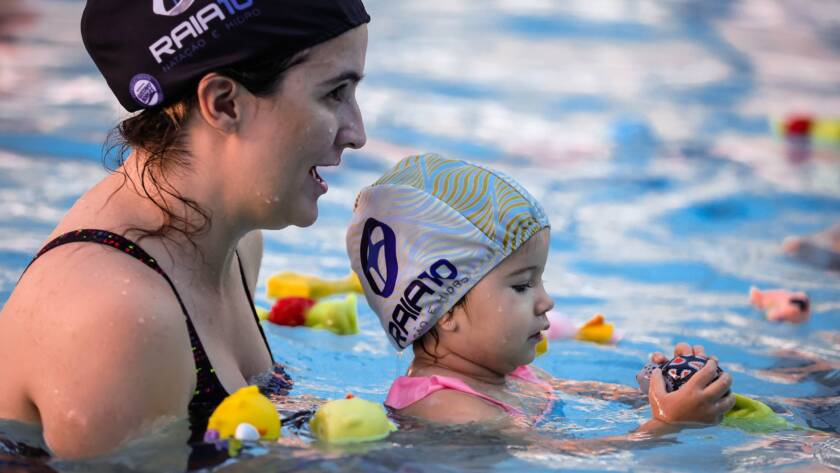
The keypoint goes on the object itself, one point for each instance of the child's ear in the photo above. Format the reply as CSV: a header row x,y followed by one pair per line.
x,y
448,323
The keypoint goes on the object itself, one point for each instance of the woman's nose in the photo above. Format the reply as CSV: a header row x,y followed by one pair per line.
x,y
352,132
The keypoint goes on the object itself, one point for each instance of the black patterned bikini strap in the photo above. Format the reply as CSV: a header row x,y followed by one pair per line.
x,y
105,238
113,240
253,307
132,249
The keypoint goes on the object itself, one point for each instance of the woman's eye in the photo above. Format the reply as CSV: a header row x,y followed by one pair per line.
x,y
337,94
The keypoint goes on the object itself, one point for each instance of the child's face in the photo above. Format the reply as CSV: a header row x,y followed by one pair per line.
x,y
506,311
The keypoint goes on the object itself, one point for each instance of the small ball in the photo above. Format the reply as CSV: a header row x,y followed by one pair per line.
x,y
676,372
680,369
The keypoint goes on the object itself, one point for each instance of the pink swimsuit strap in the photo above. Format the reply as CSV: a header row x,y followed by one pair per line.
x,y
406,390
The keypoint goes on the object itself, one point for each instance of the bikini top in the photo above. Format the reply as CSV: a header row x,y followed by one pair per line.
x,y
406,390
209,391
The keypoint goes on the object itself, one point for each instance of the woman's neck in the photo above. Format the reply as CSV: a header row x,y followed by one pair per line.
x,y
208,254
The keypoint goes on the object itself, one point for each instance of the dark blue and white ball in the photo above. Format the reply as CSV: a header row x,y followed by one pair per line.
x,y
675,372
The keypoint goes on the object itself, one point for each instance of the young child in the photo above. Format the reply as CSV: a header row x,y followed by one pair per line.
x,y
451,257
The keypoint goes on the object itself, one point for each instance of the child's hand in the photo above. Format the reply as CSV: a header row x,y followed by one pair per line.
x,y
703,399
679,349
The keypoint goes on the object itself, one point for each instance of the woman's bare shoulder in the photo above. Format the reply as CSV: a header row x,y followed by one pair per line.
x,y
91,274
97,337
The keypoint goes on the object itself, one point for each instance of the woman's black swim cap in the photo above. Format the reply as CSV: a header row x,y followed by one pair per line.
x,y
152,52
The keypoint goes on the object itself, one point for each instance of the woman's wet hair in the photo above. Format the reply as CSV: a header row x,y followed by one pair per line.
x,y
159,134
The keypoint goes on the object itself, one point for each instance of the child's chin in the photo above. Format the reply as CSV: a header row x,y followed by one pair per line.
x,y
527,358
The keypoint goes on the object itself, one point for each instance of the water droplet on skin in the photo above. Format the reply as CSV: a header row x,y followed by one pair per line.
x,y
124,293
276,198
127,280
267,200
141,320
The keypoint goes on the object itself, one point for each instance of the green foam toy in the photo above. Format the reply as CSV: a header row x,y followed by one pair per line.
x,y
754,417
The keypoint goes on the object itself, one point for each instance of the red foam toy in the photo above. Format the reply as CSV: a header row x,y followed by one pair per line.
x,y
290,311
798,125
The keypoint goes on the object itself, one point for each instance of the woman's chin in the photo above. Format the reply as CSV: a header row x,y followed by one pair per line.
x,y
301,218
306,218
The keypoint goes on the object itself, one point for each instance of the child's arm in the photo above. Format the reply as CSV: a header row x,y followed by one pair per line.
x,y
702,400
609,391
599,390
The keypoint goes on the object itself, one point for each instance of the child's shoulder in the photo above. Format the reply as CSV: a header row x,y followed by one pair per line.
x,y
449,406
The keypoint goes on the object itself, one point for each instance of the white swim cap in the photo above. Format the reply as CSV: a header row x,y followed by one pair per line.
x,y
427,231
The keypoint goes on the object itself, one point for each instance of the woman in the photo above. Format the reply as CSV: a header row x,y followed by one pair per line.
x,y
149,314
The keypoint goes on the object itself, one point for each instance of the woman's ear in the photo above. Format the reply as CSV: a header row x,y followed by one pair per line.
x,y
220,102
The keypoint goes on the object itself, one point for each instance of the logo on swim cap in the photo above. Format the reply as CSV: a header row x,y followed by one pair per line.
x,y
146,90
159,7
378,255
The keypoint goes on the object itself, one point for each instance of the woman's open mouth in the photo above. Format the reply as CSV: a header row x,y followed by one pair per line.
x,y
313,172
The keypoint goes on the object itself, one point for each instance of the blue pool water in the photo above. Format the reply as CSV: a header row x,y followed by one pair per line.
x,y
642,126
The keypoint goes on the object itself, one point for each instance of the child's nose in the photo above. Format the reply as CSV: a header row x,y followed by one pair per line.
x,y
544,303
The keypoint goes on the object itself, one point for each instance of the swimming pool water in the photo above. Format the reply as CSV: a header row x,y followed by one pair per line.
x,y
641,126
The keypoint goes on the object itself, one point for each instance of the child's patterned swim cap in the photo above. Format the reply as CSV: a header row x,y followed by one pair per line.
x,y
427,231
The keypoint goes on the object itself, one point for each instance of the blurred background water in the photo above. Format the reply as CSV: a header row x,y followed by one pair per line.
x,y
644,127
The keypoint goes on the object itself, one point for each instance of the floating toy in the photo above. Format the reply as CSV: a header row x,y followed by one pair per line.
x,y
782,305
542,346
351,420
595,330
262,314
676,372
747,414
290,311
755,417
810,127
290,284
337,316
244,415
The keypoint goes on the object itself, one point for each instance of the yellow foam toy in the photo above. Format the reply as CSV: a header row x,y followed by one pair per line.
x,y
351,420
262,314
542,346
291,284
596,330
245,406
826,130
337,316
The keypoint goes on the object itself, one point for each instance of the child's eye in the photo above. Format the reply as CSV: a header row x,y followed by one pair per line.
x,y
523,287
